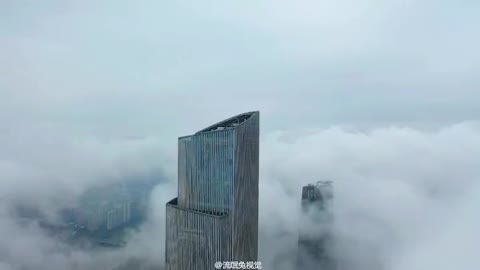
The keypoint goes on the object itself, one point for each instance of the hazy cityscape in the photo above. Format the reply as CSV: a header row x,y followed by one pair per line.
x,y
281,135
101,218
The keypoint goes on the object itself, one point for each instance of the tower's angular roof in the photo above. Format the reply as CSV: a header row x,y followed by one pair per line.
x,y
229,123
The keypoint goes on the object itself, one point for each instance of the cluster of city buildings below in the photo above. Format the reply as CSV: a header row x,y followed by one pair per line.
x,y
101,214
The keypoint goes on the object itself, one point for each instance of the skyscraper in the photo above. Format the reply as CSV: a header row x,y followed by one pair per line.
x,y
215,215
315,244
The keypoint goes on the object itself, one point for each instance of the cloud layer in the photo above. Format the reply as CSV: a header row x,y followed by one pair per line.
x,y
403,197
377,96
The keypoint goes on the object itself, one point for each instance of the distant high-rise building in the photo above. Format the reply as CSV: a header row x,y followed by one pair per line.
x,y
315,244
215,216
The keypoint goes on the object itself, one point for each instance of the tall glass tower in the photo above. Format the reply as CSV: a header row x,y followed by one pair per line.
x,y
315,244
215,216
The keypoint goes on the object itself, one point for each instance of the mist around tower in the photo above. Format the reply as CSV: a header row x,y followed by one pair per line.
x,y
286,135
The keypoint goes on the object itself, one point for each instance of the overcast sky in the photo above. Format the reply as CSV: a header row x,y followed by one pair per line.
x,y
96,66
92,91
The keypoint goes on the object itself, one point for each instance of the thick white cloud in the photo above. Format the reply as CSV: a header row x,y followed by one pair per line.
x,y
403,197
93,92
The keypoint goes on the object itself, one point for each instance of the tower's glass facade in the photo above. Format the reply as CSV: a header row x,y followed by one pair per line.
x,y
215,216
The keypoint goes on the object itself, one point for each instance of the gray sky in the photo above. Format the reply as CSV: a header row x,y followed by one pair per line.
x,y
96,67
91,91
